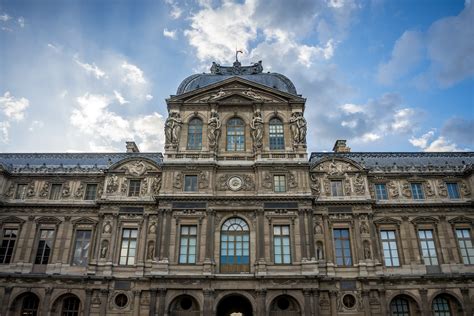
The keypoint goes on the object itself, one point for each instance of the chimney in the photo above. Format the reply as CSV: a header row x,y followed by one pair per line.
x,y
340,146
132,147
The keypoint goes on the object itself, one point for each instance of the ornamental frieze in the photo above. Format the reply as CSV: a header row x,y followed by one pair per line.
x,y
112,184
235,183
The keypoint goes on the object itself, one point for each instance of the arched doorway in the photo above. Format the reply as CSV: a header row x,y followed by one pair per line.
x,y
446,305
234,305
66,305
184,305
235,245
285,305
26,304
404,305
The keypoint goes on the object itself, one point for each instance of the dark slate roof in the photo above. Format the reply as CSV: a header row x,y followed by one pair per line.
x,y
252,73
66,161
403,160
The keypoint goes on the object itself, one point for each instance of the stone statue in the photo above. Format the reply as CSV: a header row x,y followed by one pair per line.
x,y
257,130
104,248
364,229
359,184
214,127
112,185
367,253
173,128
107,228
319,251
150,251
298,128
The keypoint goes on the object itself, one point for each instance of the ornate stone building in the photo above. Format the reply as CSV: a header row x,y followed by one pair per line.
x,y
235,218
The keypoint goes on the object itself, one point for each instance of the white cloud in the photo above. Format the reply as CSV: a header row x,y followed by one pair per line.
x,y
175,11
170,33
13,108
5,17
21,21
91,69
351,108
4,127
403,119
422,141
120,98
148,97
133,75
35,125
427,142
370,137
150,129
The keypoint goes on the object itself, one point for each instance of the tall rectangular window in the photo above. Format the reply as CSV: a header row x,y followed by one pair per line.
x,y
277,139
187,246
8,244
235,135
81,247
336,188
91,192
134,188
381,191
279,183
20,193
55,192
281,244
453,190
389,245
129,246
465,245
343,247
195,134
417,191
428,248
45,246
190,183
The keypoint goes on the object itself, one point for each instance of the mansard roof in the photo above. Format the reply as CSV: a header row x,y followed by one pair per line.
x,y
403,161
69,162
252,73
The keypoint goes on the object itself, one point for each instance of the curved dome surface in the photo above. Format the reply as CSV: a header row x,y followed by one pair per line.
x,y
252,73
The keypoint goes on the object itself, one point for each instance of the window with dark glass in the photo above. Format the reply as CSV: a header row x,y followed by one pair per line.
x,y
343,247
20,193
279,183
191,183
45,246
453,190
381,191
428,248
129,246
235,243
277,138
91,191
465,245
81,247
400,307
441,307
55,192
417,191
390,251
134,187
195,134
336,188
8,244
235,135
281,244
29,306
187,246
70,306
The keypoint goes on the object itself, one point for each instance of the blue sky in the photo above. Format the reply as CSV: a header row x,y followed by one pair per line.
x,y
89,75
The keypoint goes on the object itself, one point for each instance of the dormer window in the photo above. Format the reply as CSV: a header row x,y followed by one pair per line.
x,y
417,191
55,192
134,188
453,190
20,193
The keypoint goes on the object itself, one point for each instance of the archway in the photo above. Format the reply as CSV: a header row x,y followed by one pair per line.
x,y
184,305
404,305
26,304
234,305
446,305
66,305
284,305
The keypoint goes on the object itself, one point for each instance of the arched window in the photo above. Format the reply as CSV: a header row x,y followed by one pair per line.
x,y
277,138
400,307
441,306
195,134
235,243
70,306
29,306
235,135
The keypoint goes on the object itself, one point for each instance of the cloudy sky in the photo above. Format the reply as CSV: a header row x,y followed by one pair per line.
x,y
89,75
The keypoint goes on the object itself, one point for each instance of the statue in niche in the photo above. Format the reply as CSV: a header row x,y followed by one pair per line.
x,y
107,228
152,228
319,251
364,229
257,130
173,128
298,128
367,252
104,248
318,229
150,250
214,127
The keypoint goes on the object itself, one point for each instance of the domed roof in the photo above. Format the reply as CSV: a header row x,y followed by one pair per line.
x,y
252,73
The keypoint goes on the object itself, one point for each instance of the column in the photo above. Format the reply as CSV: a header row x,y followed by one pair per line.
x,y
302,233
383,302
329,253
142,241
210,235
425,308
467,301
333,300
47,300
104,294
316,306
165,251
208,301
261,295
159,233
87,303
260,236
307,302
6,299
153,292
375,238
311,234
28,239
66,240
365,302
161,302
136,302
407,236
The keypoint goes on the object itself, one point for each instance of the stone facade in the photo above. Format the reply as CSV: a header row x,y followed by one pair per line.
x,y
236,218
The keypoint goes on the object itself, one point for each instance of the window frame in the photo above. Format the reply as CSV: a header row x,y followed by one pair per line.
x,y
341,187
281,236
376,191
95,191
420,192
136,191
235,135
464,227
127,263
285,185
51,197
188,237
2,238
396,240
191,176
21,196
434,239
458,193
89,251
278,136
351,252
196,134
66,310
403,312
245,232
38,240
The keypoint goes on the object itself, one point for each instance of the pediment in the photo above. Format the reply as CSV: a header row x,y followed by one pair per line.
x,y
235,94
12,219
387,220
48,220
461,219
336,166
84,221
135,167
424,220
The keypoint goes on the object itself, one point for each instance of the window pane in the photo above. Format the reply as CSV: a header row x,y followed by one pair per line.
x,y
343,250
276,134
195,134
